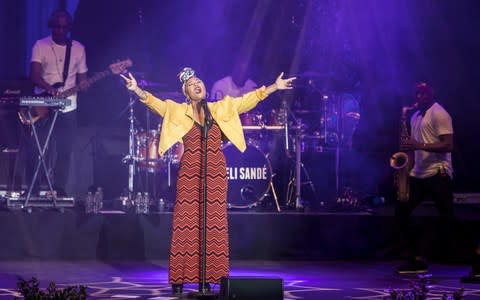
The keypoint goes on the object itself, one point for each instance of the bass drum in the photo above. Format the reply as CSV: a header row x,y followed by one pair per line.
x,y
249,176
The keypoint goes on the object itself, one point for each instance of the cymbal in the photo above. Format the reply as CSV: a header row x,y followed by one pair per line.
x,y
306,111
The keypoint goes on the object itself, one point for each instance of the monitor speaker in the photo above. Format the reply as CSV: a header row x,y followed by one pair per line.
x,y
251,288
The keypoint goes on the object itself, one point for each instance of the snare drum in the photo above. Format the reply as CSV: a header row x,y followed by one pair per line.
x,y
249,176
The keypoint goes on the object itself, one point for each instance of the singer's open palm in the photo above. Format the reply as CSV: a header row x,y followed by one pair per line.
x,y
284,84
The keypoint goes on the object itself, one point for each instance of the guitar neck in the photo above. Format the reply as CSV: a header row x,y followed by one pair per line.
x,y
90,81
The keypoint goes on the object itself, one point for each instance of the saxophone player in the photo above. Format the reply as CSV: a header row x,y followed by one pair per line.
x,y
431,140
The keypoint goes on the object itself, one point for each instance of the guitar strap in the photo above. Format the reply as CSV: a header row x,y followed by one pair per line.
x,y
67,60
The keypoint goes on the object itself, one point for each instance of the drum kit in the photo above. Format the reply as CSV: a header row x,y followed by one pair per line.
x,y
327,126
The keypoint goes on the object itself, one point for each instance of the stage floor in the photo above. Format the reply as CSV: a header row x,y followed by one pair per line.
x,y
302,280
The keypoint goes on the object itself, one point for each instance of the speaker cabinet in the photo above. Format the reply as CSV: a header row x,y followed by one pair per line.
x,y
251,288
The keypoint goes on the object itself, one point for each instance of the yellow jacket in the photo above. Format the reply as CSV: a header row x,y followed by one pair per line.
x,y
178,117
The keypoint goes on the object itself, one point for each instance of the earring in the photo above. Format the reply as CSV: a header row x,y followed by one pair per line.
x,y
187,100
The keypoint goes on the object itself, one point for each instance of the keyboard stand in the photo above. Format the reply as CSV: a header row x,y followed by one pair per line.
x,y
41,159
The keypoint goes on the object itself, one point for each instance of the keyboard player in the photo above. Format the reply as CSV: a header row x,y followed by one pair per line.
x,y
56,61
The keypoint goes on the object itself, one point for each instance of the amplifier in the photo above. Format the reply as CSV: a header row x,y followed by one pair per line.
x,y
12,90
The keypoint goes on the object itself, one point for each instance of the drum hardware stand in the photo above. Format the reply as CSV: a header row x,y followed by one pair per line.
x,y
298,154
292,181
41,159
170,158
298,172
286,110
274,193
148,159
325,119
338,112
272,188
130,157
333,110
275,196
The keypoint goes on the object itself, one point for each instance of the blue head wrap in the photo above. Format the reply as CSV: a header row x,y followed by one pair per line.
x,y
186,74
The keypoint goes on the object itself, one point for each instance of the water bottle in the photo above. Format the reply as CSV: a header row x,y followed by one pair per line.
x,y
100,194
146,202
98,200
138,203
161,205
89,203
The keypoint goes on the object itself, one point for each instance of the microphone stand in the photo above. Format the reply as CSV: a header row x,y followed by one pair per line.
x,y
203,292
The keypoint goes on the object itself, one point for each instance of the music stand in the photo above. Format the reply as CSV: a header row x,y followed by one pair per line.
x,y
41,156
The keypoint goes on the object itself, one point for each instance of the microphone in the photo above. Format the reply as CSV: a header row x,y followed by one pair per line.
x,y
206,111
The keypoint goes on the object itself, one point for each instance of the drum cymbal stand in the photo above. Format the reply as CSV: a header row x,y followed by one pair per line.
x,y
130,157
170,158
293,182
298,153
274,193
148,159
286,111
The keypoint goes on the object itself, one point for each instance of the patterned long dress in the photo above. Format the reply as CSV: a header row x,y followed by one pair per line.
x,y
185,252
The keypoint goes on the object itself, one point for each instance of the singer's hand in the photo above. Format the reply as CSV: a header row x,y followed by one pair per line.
x,y
131,82
284,84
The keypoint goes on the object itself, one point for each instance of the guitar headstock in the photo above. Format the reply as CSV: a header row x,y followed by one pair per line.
x,y
119,67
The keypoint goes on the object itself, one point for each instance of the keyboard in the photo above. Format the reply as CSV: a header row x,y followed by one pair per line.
x,y
44,101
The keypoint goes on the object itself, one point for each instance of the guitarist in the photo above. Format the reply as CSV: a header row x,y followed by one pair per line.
x,y
58,63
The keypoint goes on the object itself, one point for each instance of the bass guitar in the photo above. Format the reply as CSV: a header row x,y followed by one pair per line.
x,y
42,111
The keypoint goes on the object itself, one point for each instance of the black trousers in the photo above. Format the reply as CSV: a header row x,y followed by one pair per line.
x,y
437,188
64,134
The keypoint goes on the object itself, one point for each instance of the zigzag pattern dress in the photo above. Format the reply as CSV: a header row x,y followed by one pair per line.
x,y
185,249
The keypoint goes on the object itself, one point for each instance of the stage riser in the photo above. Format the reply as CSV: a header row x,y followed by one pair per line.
x,y
52,235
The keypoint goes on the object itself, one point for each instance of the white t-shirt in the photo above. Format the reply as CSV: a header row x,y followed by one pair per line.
x,y
52,58
427,129
226,86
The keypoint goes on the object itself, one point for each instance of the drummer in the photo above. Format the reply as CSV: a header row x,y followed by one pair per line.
x,y
236,84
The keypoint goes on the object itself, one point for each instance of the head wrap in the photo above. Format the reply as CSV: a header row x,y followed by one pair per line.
x,y
186,74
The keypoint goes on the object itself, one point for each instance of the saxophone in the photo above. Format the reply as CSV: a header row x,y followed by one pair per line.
x,y
402,161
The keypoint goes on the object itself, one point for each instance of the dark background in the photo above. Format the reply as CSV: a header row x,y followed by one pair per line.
x,y
374,50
